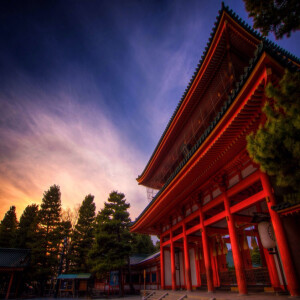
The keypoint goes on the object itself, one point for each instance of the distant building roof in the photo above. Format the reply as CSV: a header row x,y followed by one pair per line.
x,y
14,258
147,258
287,207
74,276
135,259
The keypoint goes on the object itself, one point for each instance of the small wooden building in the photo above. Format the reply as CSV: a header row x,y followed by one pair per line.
x,y
73,284
12,265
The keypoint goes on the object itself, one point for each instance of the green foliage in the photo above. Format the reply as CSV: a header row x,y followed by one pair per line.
x,y
8,228
48,238
111,248
279,16
83,235
28,226
255,257
276,144
142,244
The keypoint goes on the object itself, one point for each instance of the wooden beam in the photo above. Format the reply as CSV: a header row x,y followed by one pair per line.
x,y
215,218
9,285
248,202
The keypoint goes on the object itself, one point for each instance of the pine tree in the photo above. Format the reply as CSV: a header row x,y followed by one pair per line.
x,y
111,248
142,244
8,228
83,234
276,144
45,248
278,16
28,227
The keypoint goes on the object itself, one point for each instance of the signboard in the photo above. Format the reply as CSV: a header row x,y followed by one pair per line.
x,y
114,278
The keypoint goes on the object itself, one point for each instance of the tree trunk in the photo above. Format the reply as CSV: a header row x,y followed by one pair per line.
x,y
132,289
121,294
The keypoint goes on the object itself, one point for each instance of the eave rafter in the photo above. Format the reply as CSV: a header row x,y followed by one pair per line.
x,y
242,117
203,74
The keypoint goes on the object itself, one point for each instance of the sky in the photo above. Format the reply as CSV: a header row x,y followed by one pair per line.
x,y
87,89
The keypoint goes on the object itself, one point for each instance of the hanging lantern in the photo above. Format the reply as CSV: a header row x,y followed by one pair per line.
x,y
214,250
245,243
266,234
253,242
225,249
219,249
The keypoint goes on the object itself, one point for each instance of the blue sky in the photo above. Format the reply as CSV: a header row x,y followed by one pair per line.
x,y
87,88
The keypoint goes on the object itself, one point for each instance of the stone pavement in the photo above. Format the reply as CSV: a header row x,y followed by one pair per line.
x,y
199,295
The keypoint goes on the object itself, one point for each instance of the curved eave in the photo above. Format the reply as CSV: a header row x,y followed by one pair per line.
x,y
264,57
223,17
224,14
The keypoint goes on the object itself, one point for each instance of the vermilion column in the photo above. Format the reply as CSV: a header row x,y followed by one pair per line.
x,y
197,265
236,253
173,268
281,240
272,269
186,260
207,262
162,265
9,285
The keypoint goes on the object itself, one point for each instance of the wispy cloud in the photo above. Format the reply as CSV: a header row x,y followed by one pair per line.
x,y
56,139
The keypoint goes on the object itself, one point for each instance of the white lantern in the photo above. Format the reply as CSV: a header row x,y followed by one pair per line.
x,y
266,234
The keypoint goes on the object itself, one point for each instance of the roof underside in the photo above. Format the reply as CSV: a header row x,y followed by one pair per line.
x,y
228,63
231,46
14,258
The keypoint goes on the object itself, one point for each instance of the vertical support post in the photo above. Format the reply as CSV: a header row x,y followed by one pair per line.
x,y
186,259
206,256
281,239
236,253
162,265
173,267
197,265
9,285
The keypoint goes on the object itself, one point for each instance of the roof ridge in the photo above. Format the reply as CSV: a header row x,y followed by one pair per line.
x,y
267,44
213,31
262,47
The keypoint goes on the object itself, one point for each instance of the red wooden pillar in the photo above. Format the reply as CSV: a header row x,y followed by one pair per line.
x,y
173,268
9,285
206,256
162,265
236,253
282,242
197,265
187,260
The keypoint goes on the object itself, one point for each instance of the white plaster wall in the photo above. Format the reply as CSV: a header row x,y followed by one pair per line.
x,y
167,263
193,266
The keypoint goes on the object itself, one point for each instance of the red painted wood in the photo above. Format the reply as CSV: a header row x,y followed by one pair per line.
x,y
162,266
206,254
215,218
198,274
282,242
173,268
187,260
237,257
248,202
9,285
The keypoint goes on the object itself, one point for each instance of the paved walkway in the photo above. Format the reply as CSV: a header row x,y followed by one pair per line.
x,y
200,295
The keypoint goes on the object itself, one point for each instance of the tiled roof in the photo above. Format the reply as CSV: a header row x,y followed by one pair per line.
x,y
135,259
74,276
279,54
14,258
154,255
282,53
285,205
